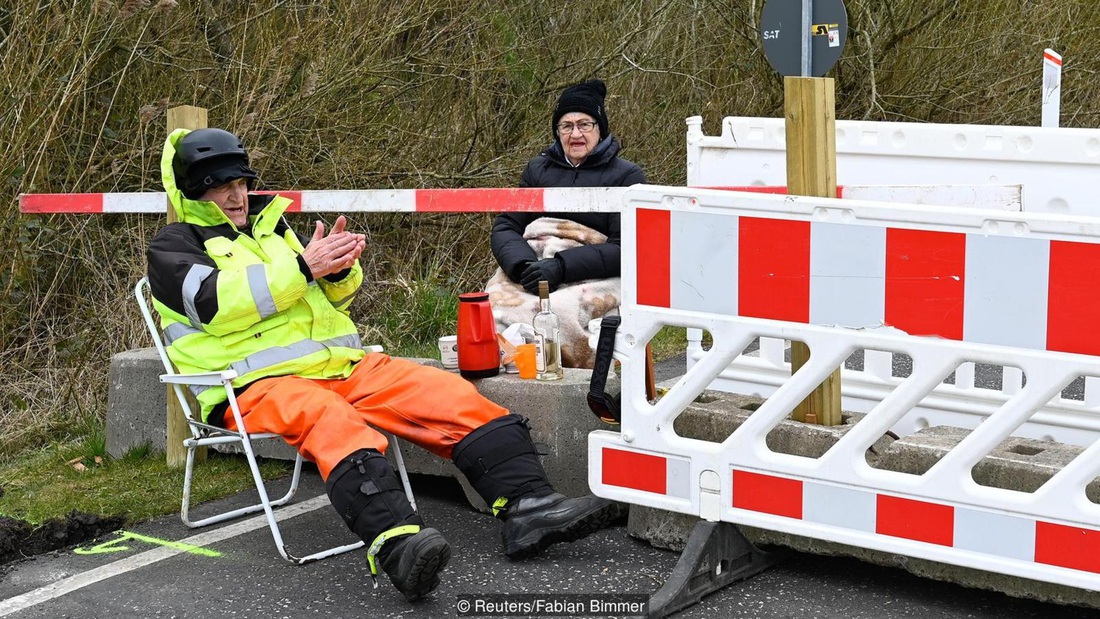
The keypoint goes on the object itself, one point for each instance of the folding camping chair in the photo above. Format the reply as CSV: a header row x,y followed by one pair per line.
x,y
203,435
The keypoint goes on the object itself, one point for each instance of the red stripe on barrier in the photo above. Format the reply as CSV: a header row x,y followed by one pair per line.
x,y
768,494
925,282
479,200
295,198
1073,299
654,258
630,469
61,203
1056,60
916,520
774,269
1072,547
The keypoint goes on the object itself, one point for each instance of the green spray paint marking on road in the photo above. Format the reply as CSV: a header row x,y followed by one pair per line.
x,y
117,545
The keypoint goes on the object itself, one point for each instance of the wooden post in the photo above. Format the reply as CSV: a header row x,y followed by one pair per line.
x,y
182,117
810,108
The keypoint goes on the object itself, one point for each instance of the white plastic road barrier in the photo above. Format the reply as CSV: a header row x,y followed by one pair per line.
x,y
944,286
1055,166
561,200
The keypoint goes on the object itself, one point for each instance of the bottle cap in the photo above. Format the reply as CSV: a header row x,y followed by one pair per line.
x,y
544,288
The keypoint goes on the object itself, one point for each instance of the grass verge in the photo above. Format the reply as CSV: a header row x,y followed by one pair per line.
x,y
52,482
70,490
49,483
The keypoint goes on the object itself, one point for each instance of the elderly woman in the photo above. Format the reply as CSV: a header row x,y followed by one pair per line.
x,y
576,253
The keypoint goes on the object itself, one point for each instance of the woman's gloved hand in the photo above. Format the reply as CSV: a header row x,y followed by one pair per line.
x,y
550,269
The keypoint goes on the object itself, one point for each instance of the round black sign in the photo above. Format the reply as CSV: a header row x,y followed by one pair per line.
x,y
781,31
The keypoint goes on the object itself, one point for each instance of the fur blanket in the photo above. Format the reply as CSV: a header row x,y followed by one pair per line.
x,y
576,304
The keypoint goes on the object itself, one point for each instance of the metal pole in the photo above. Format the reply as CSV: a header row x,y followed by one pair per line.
x,y
1052,87
807,37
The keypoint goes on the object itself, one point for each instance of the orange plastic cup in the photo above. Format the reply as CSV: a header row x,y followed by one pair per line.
x,y
525,360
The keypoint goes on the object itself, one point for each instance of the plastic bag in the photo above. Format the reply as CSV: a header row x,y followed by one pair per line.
x,y
515,334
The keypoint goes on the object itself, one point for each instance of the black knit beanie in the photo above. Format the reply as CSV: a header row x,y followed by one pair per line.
x,y
586,98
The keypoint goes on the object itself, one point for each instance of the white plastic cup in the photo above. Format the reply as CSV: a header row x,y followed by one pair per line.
x,y
448,351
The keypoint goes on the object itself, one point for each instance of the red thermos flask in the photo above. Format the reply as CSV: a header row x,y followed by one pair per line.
x,y
478,352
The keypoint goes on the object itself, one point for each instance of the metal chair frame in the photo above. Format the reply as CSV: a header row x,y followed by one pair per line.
x,y
205,435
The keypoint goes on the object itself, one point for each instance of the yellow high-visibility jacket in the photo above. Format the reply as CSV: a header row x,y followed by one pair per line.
x,y
246,301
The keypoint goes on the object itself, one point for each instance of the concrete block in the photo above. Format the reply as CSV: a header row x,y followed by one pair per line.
x,y
560,422
1017,464
671,530
1021,464
558,413
136,402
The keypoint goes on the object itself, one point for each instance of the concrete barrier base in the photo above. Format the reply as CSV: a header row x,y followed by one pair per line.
x,y
1017,464
559,418
137,402
560,422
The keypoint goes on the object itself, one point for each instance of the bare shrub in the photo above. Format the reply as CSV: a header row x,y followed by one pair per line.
x,y
422,93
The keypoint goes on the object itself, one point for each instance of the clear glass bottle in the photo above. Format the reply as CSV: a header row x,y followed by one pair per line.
x,y
547,344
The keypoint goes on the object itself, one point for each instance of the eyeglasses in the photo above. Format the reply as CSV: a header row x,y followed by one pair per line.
x,y
585,126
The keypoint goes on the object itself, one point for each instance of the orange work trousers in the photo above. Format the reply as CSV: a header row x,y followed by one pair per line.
x,y
325,420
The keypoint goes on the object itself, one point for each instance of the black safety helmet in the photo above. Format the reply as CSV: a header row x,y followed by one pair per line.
x,y
207,158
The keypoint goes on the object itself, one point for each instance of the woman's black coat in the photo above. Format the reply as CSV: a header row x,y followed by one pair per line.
x,y
602,168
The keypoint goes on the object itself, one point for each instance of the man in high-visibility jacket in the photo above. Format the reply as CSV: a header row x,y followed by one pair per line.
x,y
237,289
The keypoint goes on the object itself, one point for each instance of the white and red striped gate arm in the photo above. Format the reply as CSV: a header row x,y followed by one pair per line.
x,y
594,199
551,200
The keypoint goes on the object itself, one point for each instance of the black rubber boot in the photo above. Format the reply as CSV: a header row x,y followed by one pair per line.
x,y
413,562
501,463
533,523
367,494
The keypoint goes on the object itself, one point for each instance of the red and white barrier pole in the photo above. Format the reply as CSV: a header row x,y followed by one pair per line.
x,y
549,200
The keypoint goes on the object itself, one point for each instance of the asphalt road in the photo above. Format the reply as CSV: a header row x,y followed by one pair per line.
x,y
240,574
162,569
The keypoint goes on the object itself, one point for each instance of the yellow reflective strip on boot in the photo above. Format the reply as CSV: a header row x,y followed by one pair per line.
x,y
498,505
383,537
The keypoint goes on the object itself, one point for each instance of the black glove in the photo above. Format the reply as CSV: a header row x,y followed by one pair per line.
x,y
517,271
550,269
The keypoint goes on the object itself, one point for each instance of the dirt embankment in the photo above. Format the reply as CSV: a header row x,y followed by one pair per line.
x,y
20,539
